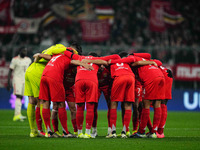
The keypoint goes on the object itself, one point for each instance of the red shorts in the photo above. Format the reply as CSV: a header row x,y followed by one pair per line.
x,y
106,92
138,90
155,90
86,91
70,95
123,89
168,87
50,89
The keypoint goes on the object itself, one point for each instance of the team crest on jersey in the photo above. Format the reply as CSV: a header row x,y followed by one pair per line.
x,y
119,64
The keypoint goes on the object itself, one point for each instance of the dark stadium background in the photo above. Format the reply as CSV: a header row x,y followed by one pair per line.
x,y
168,30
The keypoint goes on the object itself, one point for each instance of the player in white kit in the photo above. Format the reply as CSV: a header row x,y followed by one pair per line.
x,y
18,67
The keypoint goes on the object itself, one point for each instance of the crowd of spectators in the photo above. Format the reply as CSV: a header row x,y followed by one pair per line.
x,y
129,29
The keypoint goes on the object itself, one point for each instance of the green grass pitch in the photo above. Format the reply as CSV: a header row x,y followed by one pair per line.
x,y
182,132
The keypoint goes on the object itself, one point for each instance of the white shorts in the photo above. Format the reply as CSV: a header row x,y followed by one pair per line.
x,y
18,87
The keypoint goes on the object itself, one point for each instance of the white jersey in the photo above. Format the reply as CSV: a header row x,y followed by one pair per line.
x,y
19,66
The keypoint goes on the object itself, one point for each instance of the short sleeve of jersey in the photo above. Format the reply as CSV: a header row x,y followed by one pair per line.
x,y
30,61
53,50
124,60
158,62
57,49
13,63
70,55
139,58
106,58
143,55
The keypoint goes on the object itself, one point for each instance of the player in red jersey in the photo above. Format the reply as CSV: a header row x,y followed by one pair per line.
x,y
52,89
168,95
86,90
69,80
122,91
70,95
153,84
104,87
105,84
140,61
137,105
142,55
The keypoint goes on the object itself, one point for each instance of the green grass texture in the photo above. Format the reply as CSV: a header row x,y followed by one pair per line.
x,y
182,131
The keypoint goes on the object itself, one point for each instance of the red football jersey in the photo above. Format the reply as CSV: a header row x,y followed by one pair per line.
x,y
83,73
56,66
121,66
104,77
143,55
147,73
168,83
158,62
69,77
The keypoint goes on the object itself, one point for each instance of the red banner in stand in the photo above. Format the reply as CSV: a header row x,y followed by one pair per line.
x,y
8,29
187,72
95,31
156,22
5,8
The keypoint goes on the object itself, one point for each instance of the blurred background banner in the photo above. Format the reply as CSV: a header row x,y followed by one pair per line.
x,y
74,9
162,16
187,72
95,31
6,11
171,17
105,12
8,29
26,25
3,76
156,15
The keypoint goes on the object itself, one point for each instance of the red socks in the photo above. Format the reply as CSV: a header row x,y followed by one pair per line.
x,y
113,118
127,119
149,124
89,115
163,118
140,113
135,121
62,114
156,119
46,116
94,124
144,118
74,125
55,124
38,118
80,116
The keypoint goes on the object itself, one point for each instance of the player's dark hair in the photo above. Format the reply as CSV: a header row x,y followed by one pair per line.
x,y
123,54
170,74
20,49
93,54
77,46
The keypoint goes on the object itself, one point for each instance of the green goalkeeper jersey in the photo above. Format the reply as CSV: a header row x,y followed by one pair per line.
x,y
37,68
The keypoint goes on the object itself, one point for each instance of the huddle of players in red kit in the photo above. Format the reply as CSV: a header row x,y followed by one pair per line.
x,y
135,80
